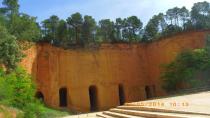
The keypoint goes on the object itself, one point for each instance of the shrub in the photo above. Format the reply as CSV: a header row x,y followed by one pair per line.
x,y
181,72
10,52
18,90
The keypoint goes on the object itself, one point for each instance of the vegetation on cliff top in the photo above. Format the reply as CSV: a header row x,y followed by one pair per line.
x,y
84,31
81,31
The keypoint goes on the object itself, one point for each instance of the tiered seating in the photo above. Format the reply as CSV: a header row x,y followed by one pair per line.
x,y
195,105
146,112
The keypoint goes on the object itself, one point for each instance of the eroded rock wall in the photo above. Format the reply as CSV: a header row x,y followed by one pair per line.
x,y
105,68
29,62
166,50
128,67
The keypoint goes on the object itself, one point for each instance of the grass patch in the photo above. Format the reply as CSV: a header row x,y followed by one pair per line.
x,y
17,90
9,112
52,113
45,112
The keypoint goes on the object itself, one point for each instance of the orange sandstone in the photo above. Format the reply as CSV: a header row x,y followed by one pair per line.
x,y
87,80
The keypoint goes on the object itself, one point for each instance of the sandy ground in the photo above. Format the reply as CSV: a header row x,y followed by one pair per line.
x,y
89,115
197,103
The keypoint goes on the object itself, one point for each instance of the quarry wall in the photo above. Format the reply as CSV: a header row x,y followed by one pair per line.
x,y
89,80
166,50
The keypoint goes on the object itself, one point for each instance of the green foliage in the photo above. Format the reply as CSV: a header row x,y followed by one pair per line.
x,y
173,15
184,16
17,90
88,30
20,88
171,30
3,20
50,28
154,27
8,112
123,30
119,25
200,15
178,20
182,71
81,31
133,26
24,27
106,30
76,21
10,53
11,7
63,34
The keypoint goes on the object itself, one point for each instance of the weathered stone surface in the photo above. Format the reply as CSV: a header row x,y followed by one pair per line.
x,y
29,62
132,66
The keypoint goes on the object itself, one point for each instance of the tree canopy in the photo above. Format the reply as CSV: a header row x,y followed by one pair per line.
x,y
10,53
81,31
21,25
200,15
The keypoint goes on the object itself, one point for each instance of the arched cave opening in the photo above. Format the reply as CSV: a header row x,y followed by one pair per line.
x,y
93,98
63,97
121,94
148,92
39,95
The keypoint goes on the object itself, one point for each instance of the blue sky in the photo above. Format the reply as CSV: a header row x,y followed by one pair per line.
x,y
101,9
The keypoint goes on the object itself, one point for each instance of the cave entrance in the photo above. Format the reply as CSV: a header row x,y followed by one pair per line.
x,y
39,95
148,92
63,97
93,98
121,94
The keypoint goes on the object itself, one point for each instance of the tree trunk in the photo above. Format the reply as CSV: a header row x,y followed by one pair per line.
x,y
77,37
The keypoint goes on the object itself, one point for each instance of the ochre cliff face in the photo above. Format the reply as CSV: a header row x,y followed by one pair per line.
x,y
101,79
29,62
166,50
78,70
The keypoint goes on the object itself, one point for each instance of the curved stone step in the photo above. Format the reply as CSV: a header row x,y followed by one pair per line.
x,y
156,114
119,115
155,109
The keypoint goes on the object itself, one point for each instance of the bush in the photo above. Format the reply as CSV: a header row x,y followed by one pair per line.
x,y
181,72
10,52
17,90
